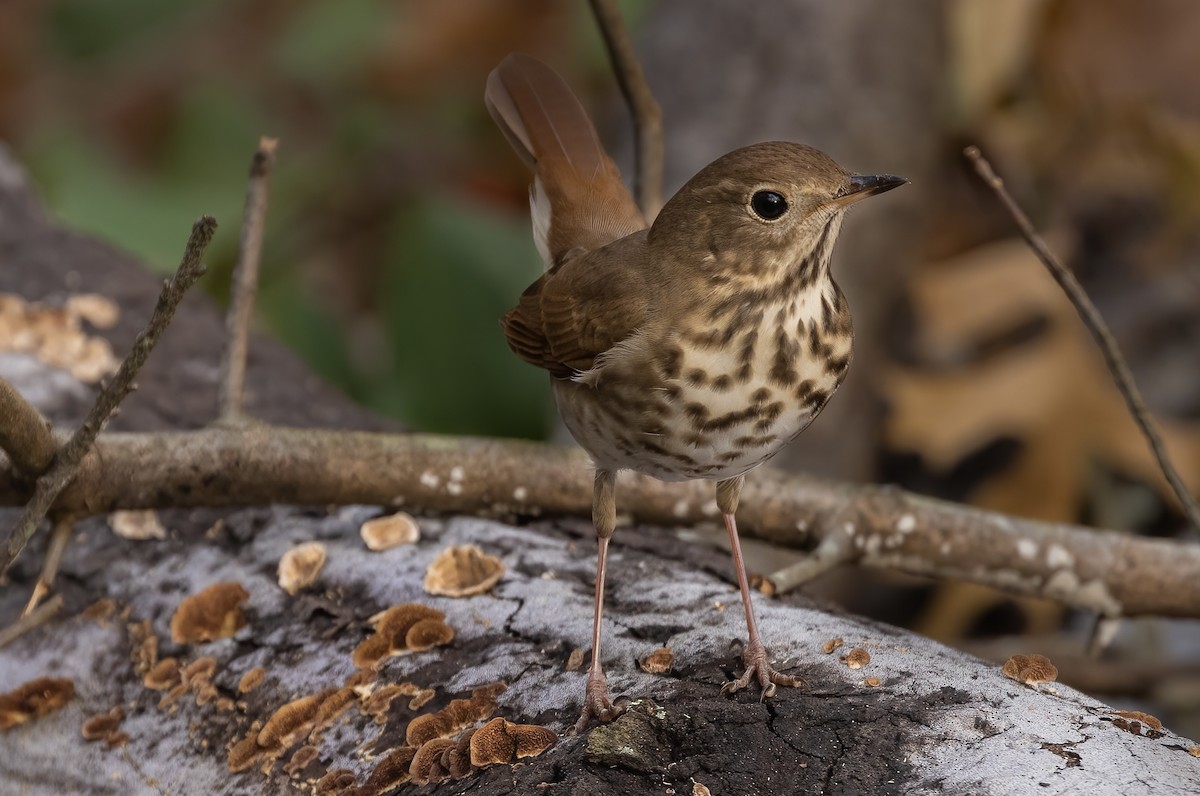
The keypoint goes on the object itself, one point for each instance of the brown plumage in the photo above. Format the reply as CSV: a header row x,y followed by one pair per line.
x,y
696,348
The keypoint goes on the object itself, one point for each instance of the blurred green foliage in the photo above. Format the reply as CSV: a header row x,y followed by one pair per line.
x,y
398,231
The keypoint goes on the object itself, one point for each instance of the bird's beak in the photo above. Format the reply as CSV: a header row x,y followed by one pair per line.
x,y
863,185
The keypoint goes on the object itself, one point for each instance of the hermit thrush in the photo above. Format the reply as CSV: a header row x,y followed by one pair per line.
x,y
696,348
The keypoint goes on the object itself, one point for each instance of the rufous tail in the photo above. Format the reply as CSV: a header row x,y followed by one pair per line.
x,y
578,200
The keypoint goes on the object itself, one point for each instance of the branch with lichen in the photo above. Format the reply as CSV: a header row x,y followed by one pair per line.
x,y
68,458
1113,574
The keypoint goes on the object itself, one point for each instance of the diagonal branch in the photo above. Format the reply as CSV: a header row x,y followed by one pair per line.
x,y
1111,573
647,116
66,462
244,285
1099,330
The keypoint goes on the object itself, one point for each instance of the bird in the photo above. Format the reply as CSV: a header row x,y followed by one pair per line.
x,y
693,347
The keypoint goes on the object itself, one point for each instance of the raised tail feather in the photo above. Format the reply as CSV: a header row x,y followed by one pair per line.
x,y
578,200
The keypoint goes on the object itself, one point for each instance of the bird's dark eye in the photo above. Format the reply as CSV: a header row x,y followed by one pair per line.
x,y
768,205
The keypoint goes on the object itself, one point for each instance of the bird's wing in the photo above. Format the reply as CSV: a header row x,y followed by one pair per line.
x,y
582,307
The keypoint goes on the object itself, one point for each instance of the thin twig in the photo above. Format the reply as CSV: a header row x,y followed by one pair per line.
x,y
1089,568
245,282
24,434
647,116
1099,331
59,536
71,454
48,610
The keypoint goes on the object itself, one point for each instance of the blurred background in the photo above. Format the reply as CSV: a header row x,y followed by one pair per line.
x,y
398,229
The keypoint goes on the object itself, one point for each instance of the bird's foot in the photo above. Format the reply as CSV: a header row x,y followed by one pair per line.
x,y
758,668
598,704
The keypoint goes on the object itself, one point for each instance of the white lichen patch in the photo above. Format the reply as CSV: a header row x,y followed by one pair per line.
x,y
1027,549
1066,586
137,525
906,524
430,480
1058,557
520,494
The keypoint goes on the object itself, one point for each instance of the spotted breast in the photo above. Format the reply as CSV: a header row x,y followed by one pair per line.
x,y
714,401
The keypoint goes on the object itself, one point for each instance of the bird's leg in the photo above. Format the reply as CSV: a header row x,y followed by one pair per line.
x,y
755,654
597,703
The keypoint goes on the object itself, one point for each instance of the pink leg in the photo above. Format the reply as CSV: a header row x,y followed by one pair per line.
x,y
597,703
755,654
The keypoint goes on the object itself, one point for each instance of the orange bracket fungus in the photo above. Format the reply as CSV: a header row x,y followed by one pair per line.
x,y
300,566
501,741
215,612
455,716
384,533
1030,669
34,699
659,661
462,571
404,628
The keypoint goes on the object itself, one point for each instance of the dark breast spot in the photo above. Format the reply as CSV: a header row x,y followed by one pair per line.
x,y
837,365
754,441
670,362
697,413
783,365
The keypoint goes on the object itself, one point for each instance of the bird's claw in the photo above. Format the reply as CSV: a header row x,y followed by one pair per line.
x,y
754,656
598,704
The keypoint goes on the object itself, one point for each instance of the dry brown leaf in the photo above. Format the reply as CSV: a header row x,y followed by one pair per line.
x,y
1052,393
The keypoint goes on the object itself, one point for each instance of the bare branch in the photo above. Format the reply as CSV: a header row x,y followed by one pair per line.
x,y
59,536
66,462
1102,571
647,116
24,434
245,282
1099,331
27,622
